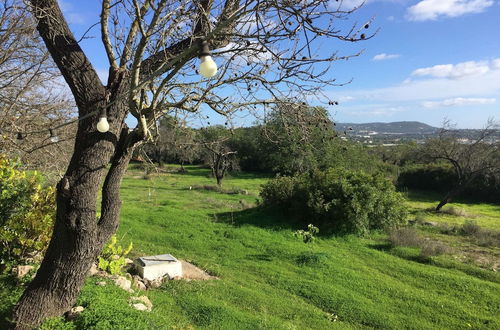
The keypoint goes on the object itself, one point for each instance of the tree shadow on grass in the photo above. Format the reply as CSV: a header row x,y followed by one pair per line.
x,y
258,217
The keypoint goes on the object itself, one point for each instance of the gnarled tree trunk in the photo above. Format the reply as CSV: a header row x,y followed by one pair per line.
x,y
78,235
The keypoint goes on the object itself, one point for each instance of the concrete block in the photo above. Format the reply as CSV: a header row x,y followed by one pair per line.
x,y
154,267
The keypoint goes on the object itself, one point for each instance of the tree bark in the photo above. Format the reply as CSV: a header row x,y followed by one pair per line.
x,y
219,180
448,198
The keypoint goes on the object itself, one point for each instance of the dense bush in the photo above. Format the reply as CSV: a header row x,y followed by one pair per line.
x,y
337,200
27,211
441,177
437,177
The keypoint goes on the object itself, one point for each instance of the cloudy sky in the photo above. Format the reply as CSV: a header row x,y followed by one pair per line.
x,y
431,59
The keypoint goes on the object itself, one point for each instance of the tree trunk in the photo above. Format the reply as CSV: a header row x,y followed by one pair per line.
x,y
219,180
448,198
79,236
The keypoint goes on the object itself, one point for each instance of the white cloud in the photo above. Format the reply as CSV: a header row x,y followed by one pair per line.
x,y
457,71
458,101
344,99
433,9
485,85
384,56
374,109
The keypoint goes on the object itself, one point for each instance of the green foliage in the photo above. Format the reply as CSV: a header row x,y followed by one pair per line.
x,y
435,176
441,177
308,236
340,201
27,212
112,257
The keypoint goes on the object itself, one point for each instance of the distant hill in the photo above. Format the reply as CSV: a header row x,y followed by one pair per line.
x,y
398,127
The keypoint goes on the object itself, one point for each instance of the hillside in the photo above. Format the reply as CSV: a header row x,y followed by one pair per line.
x,y
269,279
398,127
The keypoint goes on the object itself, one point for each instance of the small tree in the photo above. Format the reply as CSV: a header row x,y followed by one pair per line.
x,y
216,151
471,157
295,137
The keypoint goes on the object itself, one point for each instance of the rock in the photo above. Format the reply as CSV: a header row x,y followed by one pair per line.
x,y
191,272
74,312
141,300
430,223
22,271
154,284
140,307
101,283
138,283
123,283
93,270
128,261
141,285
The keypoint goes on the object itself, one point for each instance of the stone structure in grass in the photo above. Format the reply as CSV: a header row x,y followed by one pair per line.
x,y
159,266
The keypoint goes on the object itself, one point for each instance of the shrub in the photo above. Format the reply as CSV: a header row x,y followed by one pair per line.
x,y
438,177
405,237
470,228
112,257
408,237
338,200
455,211
308,236
432,248
27,212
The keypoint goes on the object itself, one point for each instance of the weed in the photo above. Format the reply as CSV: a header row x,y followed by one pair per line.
x,y
456,211
470,228
405,237
433,248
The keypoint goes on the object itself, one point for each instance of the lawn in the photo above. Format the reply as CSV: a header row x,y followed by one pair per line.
x,y
269,279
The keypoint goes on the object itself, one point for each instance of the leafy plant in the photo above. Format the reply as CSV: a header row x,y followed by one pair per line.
x,y
308,236
27,212
112,257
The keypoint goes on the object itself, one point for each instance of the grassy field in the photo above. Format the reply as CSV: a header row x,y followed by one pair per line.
x,y
269,279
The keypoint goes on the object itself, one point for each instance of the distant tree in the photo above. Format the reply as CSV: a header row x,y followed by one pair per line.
x,y
32,96
216,151
471,157
295,137
174,143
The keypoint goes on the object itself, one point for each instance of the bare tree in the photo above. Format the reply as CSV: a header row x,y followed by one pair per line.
x,y
216,151
32,95
471,157
267,50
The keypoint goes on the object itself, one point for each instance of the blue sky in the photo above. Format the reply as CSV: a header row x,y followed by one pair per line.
x,y
431,59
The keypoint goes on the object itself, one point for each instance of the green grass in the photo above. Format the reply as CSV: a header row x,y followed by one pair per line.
x,y
486,215
269,279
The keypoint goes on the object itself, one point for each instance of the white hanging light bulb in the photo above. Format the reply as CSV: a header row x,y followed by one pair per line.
x,y
102,124
208,68
53,137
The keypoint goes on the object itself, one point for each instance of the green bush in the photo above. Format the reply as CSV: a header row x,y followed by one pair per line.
x,y
339,201
440,177
437,177
27,212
